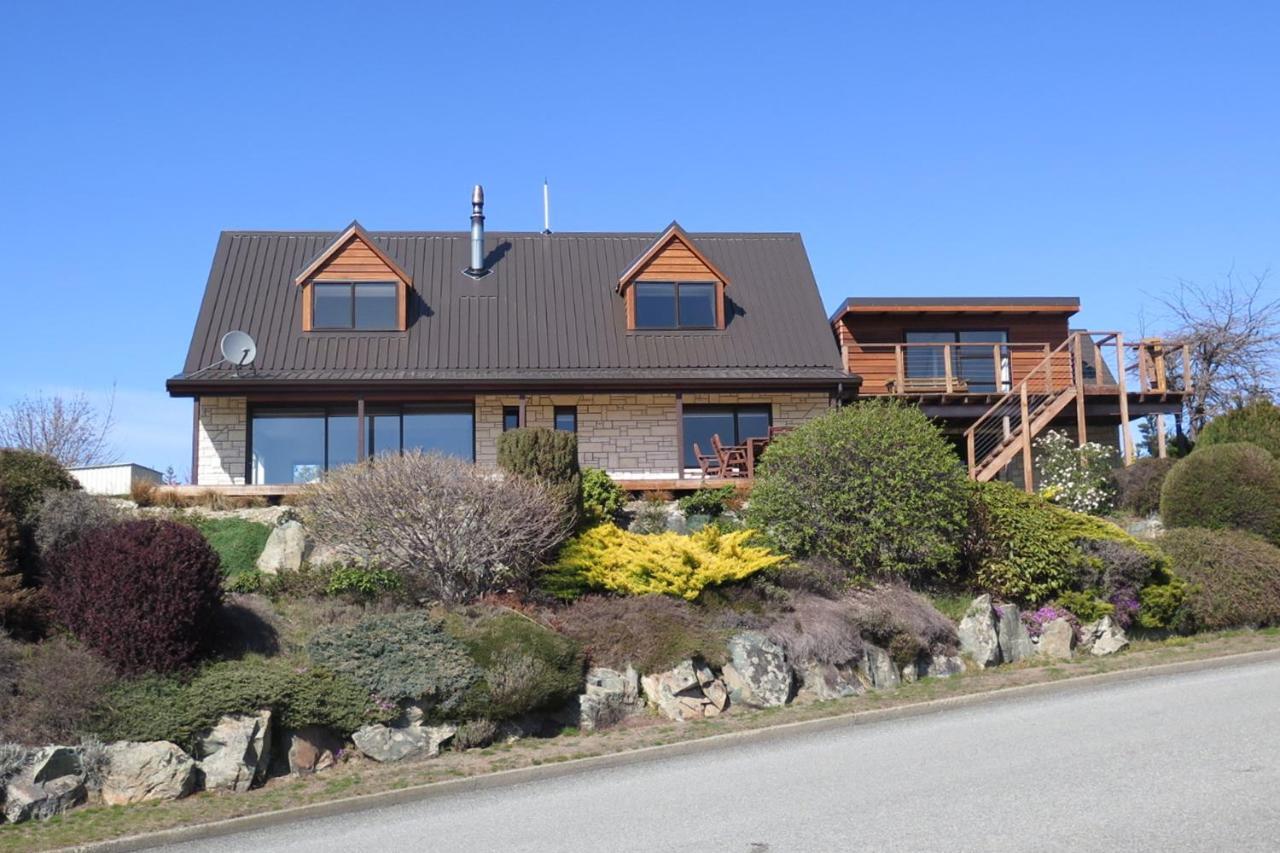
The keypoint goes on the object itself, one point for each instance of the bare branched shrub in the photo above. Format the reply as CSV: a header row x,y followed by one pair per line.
x,y
819,629
452,530
890,609
64,516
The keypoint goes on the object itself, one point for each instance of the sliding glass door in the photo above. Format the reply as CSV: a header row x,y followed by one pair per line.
x,y
980,367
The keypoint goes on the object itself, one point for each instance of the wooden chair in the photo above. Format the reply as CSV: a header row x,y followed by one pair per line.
x,y
734,461
708,462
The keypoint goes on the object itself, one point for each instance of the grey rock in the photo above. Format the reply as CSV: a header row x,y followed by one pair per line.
x,y
689,691
286,548
1104,637
235,752
153,770
408,737
879,669
757,674
1057,638
979,633
824,682
1147,528
53,762
610,696
941,665
311,748
1015,641
27,799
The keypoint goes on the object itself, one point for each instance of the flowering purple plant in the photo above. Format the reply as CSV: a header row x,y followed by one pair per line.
x,y
1126,608
1035,621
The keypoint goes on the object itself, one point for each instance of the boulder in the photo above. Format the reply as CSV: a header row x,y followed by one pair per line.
x,y
1015,641
285,550
757,674
1057,638
407,737
689,691
1104,637
979,633
154,770
235,752
940,665
824,682
311,748
27,799
878,668
53,762
1147,528
610,696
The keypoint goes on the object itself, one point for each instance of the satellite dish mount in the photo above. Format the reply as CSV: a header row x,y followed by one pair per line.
x,y
238,349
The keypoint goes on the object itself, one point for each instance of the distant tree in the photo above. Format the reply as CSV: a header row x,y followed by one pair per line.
x,y
170,478
70,429
1233,329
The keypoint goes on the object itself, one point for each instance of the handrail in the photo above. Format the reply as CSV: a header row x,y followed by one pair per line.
x,y
998,403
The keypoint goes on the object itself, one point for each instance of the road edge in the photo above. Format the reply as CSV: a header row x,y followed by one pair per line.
x,y
764,734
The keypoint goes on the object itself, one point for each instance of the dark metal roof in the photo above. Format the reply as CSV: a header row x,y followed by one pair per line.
x,y
548,311
1031,303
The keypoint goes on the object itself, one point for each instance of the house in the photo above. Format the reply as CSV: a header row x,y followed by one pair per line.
x,y
996,372
645,345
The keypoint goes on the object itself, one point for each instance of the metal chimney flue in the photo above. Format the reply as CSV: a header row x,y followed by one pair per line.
x,y
477,231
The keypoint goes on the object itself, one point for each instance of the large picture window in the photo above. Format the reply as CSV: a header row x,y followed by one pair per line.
x,y
360,305
734,425
675,305
976,365
296,445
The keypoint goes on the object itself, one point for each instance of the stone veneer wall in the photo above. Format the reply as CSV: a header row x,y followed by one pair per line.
x,y
222,441
632,436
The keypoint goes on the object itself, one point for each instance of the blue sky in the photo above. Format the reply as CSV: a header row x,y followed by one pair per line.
x,y
1094,149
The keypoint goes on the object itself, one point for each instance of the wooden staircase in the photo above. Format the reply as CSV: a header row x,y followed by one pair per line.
x,y
1008,428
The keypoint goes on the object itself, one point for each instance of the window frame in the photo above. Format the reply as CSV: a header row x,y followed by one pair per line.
x,y
570,411
351,286
717,298
507,412
735,409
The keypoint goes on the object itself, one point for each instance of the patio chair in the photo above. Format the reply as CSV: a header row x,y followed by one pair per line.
x,y
733,458
708,462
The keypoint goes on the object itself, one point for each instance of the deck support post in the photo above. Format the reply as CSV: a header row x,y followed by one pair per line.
x,y
1077,366
1028,474
679,435
362,443
1162,448
1123,394
973,455
946,366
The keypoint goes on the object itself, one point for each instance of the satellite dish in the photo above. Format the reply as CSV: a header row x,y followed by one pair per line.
x,y
238,348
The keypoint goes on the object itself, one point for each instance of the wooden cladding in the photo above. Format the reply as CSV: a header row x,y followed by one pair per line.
x,y
675,262
673,257
353,257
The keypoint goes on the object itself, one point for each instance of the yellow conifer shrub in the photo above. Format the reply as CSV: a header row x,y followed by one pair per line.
x,y
606,558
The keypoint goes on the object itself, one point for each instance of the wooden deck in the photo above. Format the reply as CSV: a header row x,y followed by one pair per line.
x,y
273,493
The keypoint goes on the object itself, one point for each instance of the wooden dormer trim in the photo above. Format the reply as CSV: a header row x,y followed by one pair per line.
x,y
328,266
673,257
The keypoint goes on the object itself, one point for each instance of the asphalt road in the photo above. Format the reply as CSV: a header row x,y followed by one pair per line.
x,y
1188,762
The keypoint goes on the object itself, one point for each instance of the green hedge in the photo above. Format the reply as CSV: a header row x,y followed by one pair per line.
x,y
1224,486
874,486
1257,423
1234,577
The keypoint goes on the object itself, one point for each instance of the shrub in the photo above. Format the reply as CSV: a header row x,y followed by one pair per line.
x,y
178,710
651,517
1138,485
400,656
873,485
26,476
13,758
526,667
1257,423
1076,477
1027,550
363,583
889,610
64,516
474,734
24,611
606,558
1086,606
238,542
818,629
1234,577
142,594
1224,485
650,632
816,575
452,531
1163,605
602,498
50,692
710,502
547,457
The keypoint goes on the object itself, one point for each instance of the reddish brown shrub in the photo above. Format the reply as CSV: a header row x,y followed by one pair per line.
x,y
650,632
142,593
50,692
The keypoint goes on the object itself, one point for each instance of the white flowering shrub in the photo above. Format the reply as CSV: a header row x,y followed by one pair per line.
x,y
1078,478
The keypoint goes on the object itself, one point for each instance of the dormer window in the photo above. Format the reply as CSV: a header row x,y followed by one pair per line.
x,y
673,285
360,305
675,304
